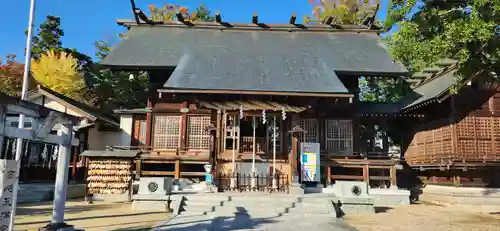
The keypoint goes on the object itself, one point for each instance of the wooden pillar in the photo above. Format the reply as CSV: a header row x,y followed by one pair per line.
x,y
138,168
183,125
393,171
85,175
366,174
329,175
149,124
293,157
177,173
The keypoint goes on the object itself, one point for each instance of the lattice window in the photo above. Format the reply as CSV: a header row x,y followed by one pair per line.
x,y
312,131
140,133
166,132
198,137
338,136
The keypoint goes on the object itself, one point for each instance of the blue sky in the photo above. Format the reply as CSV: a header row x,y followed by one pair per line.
x,y
84,22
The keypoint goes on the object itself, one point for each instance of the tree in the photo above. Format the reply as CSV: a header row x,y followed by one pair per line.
x,y
58,72
464,30
11,76
342,11
48,36
118,89
168,13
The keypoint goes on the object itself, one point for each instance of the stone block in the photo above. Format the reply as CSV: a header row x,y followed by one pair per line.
x,y
390,196
150,206
155,185
351,189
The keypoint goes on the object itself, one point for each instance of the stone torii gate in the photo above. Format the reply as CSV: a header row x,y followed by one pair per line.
x,y
43,120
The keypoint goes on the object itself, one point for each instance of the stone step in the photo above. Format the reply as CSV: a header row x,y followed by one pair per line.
x,y
200,208
267,198
204,203
253,215
206,197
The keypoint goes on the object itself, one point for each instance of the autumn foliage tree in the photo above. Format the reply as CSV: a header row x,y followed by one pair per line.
x,y
168,13
342,11
11,76
58,72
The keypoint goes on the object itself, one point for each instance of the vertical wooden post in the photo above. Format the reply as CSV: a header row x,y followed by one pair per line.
x,y
183,125
292,158
393,171
85,175
329,175
366,174
149,124
138,168
177,173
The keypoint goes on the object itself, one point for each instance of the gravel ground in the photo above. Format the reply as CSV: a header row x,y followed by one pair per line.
x,y
426,216
100,216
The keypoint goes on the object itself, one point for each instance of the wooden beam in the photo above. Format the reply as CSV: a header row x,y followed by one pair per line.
x,y
30,135
132,3
255,18
48,123
179,16
18,109
218,18
293,18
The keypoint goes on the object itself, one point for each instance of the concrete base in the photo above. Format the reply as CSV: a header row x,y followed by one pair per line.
x,y
390,196
150,197
296,189
110,198
150,206
346,205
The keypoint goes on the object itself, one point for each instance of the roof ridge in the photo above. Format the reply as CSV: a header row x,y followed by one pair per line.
x,y
255,27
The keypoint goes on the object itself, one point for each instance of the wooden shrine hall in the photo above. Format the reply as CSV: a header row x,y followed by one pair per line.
x,y
242,97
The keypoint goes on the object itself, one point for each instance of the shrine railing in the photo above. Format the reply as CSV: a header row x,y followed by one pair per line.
x,y
263,182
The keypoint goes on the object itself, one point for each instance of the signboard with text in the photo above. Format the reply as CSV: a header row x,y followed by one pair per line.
x,y
310,162
8,175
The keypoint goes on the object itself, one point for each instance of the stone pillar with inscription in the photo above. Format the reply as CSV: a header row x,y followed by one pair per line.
x,y
8,175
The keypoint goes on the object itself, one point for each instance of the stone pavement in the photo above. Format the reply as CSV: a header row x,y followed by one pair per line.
x,y
247,223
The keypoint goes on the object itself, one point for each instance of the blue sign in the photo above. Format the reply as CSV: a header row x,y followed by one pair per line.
x,y
310,162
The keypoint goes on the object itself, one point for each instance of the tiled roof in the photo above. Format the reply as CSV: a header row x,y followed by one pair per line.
x,y
257,59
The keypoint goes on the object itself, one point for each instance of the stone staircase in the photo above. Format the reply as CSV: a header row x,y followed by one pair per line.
x,y
250,211
255,205
32,193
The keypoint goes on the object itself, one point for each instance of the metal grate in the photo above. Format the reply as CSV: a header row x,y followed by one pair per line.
x,y
166,132
311,129
198,137
338,136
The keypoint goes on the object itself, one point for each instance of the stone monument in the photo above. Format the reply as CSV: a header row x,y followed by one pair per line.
x,y
153,195
352,197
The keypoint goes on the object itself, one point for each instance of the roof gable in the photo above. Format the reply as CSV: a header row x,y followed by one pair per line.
x,y
82,108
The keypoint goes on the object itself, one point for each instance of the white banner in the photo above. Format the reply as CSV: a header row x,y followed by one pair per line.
x,y
8,175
